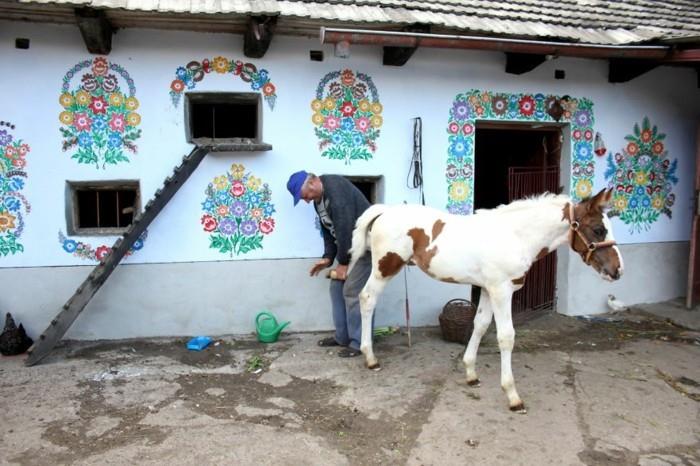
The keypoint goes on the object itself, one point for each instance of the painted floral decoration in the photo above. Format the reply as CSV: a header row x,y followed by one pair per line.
x,y
476,105
237,212
98,118
642,178
187,76
89,252
347,116
12,181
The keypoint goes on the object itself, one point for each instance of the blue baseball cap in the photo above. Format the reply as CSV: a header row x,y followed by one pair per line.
x,y
296,181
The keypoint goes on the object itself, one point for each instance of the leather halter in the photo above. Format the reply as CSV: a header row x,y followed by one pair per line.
x,y
590,246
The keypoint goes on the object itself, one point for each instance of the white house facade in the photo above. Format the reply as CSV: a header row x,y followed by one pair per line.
x,y
231,243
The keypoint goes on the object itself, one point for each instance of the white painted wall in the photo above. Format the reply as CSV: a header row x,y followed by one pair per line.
x,y
205,298
653,272
177,245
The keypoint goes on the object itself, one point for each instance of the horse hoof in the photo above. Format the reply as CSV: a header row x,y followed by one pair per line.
x,y
375,367
519,408
474,383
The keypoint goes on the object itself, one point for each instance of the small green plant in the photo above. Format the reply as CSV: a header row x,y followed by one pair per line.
x,y
385,331
254,363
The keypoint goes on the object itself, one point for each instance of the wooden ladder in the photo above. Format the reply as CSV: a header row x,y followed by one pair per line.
x,y
75,305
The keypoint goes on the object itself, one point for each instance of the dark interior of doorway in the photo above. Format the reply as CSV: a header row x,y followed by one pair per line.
x,y
498,148
508,158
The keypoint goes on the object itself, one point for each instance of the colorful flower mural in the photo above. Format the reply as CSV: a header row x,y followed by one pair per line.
x,y
96,254
237,212
13,154
642,178
97,117
187,76
476,105
347,116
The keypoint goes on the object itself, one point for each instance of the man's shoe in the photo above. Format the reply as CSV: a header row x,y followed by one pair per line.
x,y
330,341
349,353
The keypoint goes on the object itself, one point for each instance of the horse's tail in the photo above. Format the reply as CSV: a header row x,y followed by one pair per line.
x,y
361,232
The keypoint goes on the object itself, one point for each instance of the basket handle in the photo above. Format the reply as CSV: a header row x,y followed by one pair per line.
x,y
465,301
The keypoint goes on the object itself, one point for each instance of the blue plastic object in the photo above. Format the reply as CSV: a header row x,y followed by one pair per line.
x,y
199,343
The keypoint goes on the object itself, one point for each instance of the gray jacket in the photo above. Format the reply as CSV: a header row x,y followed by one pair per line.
x,y
345,204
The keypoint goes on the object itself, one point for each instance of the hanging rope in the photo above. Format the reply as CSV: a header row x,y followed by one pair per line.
x,y
416,167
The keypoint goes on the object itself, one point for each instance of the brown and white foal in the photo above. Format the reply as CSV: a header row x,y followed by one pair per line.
x,y
492,249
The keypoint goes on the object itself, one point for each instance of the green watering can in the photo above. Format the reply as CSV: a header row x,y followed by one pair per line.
x,y
267,327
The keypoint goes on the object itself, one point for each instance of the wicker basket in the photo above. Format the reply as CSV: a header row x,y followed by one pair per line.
x,y
457,320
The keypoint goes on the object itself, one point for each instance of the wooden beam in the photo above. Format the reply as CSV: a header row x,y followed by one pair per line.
x,y
95,29
521,63
621,70
258,34
399,56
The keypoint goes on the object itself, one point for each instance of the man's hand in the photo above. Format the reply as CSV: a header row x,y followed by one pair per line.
x,y
341,272
319,265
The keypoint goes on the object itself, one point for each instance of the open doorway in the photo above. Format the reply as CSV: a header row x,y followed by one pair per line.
x,y
501,146
513,161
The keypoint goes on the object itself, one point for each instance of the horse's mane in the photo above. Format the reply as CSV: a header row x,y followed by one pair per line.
x,y
526,203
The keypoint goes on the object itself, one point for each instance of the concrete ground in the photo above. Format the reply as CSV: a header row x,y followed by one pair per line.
x,y
616,389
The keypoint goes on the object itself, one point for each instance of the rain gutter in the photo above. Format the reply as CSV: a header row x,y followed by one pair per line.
x,y
568,49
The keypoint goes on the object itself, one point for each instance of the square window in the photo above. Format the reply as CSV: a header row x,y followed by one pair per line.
x,y
227,121
101,207
371,186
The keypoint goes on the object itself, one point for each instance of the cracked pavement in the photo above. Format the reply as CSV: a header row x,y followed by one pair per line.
x,y
621,392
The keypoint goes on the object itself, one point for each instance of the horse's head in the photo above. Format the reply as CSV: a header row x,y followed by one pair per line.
x,y
591,235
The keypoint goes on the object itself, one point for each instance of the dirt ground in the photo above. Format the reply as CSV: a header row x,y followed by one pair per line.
x,y
610,390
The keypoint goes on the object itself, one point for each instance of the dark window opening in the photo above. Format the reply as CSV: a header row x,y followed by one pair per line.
x,y
102,207
369,186
224,120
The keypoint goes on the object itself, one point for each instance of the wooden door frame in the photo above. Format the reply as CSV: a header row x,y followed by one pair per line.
x,y
693,289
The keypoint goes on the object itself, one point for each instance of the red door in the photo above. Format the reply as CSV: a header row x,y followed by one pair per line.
x,y
693,293
538,293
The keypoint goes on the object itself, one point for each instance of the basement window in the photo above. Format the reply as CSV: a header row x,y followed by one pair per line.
x,y
227,121
371,186
101,207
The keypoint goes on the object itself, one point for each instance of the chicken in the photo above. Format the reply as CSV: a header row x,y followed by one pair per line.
x,y
616,305
13,339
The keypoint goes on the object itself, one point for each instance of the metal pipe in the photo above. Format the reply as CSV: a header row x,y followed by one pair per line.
x,y
416,39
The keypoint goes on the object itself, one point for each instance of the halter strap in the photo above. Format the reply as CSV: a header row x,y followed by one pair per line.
x,y
590,246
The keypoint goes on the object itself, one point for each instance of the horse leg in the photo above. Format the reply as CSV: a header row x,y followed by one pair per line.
x,y
481,323
368,300
501,302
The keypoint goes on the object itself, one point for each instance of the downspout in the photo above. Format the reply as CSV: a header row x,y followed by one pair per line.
x,y
569,49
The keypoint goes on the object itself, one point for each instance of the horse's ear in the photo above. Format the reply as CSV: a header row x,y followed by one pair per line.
x,y
601,200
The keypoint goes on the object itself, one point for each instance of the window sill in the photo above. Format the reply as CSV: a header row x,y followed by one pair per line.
x,y
97,231
233,145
